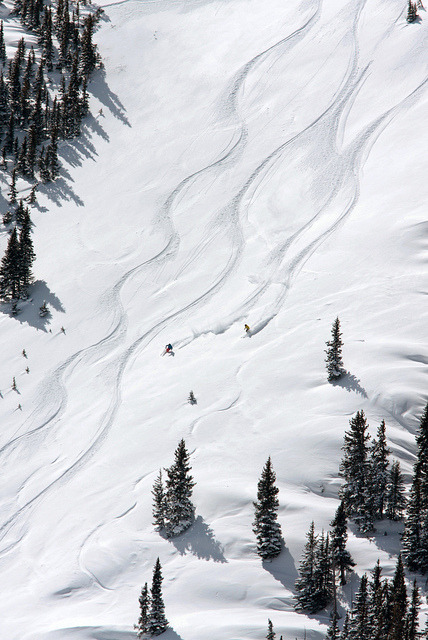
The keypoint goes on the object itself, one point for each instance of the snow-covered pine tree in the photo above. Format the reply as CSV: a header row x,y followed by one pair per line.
x,y
344,634
340,555
333,632
323,573
191,399
358,626
271,633
143,621
306,588
10,269
179,512
395,499
12,188
335,369
412,620
415,536
354,468
157,622
26,254
378,462
159,503
398,603
376,603
265,525
412,11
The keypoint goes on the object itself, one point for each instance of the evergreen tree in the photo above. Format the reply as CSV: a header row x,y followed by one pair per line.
x,y
395,498
4,109
412,620
157,622
333,630
2,44
51,157
334,361
10,269
344,635
398,604
415,537
143,621
412,12
271,633
180,511
359,628
341,557
323,573
265,526
88,58
159,503
376,609
12,188
356,492
307,585
379,453
27,255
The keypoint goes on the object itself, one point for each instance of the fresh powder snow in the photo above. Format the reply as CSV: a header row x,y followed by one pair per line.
x,y
252,162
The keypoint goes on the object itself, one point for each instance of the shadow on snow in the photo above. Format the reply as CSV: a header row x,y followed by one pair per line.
x,y
199,539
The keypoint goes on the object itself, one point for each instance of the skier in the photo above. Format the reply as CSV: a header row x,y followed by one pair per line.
x,y
168,349
247,328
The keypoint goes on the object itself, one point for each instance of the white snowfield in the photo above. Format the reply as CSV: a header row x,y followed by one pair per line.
x,y
254,162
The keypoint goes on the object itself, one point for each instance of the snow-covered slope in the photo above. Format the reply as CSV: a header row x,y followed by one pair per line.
x,y
257,162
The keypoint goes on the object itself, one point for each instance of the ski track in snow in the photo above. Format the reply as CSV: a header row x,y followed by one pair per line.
x,y
53,389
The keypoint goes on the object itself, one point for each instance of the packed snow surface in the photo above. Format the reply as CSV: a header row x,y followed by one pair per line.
x,y
254,162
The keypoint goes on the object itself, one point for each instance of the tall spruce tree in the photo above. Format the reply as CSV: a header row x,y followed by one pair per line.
x,y
333,632
10,271
395,502
412,11
314,587
376,609
379,453
143,621
415,537
335,369
265,526
341,557
157,622
26,254
271,633
359,628
412,620
398,603
179,512
159,503
354,468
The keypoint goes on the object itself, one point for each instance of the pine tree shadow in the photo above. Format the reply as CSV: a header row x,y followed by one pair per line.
x,y
388,536
199,539
351,383
29,309
283,569
100,89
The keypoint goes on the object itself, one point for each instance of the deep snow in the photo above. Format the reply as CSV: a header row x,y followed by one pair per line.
x,y
255,162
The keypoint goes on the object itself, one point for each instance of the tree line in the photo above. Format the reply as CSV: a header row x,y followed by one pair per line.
x,y
34,116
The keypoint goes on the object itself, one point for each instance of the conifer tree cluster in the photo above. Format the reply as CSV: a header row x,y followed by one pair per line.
x,y
152,620
265,526
415,537
381,610
372,489
173,510
34,116
325,559
314,587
